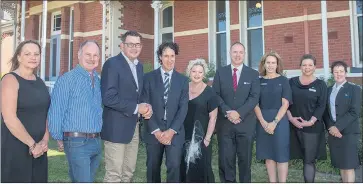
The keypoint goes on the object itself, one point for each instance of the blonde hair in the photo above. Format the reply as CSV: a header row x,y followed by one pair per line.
x,y
262,69
197,62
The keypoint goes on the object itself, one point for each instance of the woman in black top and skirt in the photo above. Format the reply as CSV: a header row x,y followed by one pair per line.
x,y
196,166
341,118
24,132
272,141
307,137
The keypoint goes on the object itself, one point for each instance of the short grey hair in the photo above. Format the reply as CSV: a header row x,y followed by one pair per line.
x,y
197,62
85,43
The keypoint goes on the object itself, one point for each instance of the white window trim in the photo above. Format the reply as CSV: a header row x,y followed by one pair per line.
x,y
354,33
244,28
40,29
71,26
52,23
166,29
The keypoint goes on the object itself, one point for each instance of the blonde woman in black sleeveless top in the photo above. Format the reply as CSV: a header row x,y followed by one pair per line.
x,y
24,132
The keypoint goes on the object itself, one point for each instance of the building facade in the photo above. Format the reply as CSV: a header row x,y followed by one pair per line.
x,y
203,29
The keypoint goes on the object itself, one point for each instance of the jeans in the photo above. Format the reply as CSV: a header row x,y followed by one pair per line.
x,y
83,155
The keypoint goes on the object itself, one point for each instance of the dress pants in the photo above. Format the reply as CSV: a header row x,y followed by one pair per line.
x,y
154,160
120,159
228,146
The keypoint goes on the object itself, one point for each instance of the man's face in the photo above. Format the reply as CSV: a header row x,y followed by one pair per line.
x,y
89,57
131,47
168,59
237,54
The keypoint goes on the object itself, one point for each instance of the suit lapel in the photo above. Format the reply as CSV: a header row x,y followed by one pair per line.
x,y
173,87
228,73
160,84
139,77
127,69
340,95
329,93
240,82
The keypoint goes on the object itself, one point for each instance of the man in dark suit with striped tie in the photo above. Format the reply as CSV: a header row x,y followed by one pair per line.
x,y
167,91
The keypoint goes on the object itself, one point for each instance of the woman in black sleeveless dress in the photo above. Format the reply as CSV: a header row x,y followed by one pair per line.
x,y
196,166
24,134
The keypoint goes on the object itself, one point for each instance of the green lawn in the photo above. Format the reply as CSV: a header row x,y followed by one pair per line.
x,y
58,168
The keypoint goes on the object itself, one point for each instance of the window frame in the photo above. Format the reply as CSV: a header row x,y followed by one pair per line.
x,y
356,48
58,32
244,28
71,39
166,30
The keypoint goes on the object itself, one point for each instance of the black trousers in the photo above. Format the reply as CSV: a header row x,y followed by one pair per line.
x,y
230,145
154,160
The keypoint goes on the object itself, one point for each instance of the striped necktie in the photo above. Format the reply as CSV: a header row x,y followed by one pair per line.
x,y
166,87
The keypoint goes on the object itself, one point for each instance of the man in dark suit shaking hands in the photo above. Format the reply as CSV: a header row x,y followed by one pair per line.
x,y
238,87
167,91
121,87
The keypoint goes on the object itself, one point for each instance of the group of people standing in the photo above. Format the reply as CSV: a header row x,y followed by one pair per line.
x,y
286,117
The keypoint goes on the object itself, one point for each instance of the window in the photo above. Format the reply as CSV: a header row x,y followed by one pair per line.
x,y
357,33
56,23
255,47
220,24
55,41
167,25
71,33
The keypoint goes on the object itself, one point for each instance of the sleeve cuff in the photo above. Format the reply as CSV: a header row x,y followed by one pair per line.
x,y
155,131
174,131
136,109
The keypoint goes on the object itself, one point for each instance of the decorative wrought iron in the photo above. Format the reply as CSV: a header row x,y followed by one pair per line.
x,y
9,7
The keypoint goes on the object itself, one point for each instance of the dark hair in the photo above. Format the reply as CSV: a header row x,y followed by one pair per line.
x,y
238,43
87,42
261,67
14,60
308,56
130,33
339,63
163,46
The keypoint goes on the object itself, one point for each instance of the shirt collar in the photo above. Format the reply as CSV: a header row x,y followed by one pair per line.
x,y
162,72
239,68
340,86
84,72
135,62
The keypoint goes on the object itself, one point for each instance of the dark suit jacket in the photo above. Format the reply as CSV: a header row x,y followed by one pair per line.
x,y
244,100
347,107
119,96
177,105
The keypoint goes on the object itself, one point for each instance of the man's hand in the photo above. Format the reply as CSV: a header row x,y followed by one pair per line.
x,y
306,123
149,113
167,136
334,131
233,117
143,108
159,136
60,146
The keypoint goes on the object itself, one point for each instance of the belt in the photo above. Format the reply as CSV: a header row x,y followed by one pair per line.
x,y
80,134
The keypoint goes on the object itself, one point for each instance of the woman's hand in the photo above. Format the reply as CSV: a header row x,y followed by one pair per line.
x,y
206,142
37,151
44,145
295,121
271,127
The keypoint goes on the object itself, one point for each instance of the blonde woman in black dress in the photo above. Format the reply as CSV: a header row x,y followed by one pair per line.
x,y
341,118
199,126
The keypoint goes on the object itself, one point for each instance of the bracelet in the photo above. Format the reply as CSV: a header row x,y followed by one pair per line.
x,y
31,148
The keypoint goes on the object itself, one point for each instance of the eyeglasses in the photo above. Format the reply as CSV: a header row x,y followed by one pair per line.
x,y
133,45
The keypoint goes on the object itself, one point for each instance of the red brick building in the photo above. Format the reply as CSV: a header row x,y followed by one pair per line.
x,y
203,29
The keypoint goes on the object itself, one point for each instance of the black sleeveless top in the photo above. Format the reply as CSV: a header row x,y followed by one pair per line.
x,y
32,108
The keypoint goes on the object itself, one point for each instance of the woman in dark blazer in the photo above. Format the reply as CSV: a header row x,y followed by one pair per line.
x,y
341,118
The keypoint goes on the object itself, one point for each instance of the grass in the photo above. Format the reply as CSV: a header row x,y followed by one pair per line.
x,y
58,168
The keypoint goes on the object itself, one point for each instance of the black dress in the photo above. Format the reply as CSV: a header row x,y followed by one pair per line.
x,y
32,108
274,147
308,143
196,164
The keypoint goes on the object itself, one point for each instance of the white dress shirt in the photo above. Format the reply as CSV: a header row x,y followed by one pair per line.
x,y
238,72
333,97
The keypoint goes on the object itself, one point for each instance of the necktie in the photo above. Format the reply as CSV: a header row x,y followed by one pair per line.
x,y
234,79
166,87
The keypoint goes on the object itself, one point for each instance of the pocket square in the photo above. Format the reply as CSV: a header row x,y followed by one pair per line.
x,y
346,95
246,83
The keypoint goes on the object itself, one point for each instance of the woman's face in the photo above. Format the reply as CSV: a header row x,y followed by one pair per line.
x,y
339,74
196,74
270,65
307,67
29,56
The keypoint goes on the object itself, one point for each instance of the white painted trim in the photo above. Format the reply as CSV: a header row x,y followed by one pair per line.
x,y
234,27
87,34
52,23
209,35
354,34
54,5
295,19
191,32
64,37
228,31
166,29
